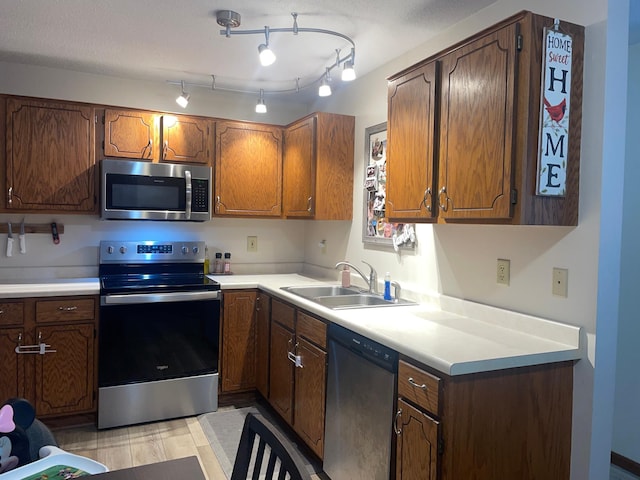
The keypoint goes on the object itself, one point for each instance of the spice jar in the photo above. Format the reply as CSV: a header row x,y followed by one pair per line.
x,y
217,264
227,262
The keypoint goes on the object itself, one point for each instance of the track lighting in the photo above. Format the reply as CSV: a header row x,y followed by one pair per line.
x,y
260,106
183,99
267,57
230,19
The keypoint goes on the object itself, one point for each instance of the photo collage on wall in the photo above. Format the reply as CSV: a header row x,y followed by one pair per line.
x,y
377,228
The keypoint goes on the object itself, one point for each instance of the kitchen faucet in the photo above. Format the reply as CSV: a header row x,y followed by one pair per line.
x,y
372,281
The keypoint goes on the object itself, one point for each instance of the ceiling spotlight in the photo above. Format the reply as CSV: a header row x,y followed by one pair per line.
x,y
183,99
348,73
267,57
260,106
325,88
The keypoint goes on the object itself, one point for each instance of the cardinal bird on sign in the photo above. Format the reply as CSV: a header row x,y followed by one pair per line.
x,y
556,112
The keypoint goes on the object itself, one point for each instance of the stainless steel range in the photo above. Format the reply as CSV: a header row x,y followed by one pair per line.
x,y
159,332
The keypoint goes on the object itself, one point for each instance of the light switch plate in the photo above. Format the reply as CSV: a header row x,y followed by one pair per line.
x,y
252,244
560,285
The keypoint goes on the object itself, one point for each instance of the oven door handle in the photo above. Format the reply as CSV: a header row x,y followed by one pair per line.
x,y
137,298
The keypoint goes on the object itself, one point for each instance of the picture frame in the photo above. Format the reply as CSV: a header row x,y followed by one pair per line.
x,y
376,229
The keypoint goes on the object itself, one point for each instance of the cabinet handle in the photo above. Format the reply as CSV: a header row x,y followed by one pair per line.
x,y
397,429
67,309
40,348
10,196
309,204
427,196
413,383
443,206
1,312
165,146
218,203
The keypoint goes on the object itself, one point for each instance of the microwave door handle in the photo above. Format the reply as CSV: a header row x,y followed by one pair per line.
x,y
187,177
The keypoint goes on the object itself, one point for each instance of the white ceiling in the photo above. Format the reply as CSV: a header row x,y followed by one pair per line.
x,y
171,40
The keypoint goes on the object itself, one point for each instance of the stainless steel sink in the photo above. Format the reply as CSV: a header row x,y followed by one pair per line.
x,y
337,297
313,291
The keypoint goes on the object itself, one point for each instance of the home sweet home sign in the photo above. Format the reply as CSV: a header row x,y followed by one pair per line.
x,y
554,113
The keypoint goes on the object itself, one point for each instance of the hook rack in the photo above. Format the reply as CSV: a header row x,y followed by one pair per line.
x,y
30,228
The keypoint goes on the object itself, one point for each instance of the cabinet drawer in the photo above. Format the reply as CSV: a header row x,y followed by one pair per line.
x,y
71,309
312,329
419,387
11,313
283,314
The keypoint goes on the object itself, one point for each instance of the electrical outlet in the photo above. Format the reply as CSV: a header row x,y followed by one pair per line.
x,y
560,281
252,244
504,271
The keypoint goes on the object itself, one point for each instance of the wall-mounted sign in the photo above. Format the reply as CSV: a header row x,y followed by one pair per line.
x,y
555,109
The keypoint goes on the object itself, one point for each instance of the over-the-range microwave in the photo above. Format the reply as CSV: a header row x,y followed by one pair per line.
x,y
138,190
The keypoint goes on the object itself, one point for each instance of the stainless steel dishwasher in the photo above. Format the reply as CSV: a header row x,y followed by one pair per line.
x,y
361,389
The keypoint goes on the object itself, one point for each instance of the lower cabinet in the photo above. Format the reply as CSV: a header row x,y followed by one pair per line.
x,y
48,353
298,369
238,355
513,423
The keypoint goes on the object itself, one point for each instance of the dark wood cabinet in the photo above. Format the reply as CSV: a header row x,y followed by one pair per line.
x,y
411,162
131,134
263,333
248,169
154,136
469,117
238,356
62,379
281,375
298,365
318,167
416,444
50,156
513,423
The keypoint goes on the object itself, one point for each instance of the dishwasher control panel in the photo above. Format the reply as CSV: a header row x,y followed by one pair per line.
x,y
374,351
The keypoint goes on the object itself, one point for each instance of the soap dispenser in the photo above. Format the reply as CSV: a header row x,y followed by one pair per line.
x,y
387,286
346,277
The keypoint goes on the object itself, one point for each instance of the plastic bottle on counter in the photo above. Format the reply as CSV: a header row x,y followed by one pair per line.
x,y
217,264
207,263
387,286
346,276
227,263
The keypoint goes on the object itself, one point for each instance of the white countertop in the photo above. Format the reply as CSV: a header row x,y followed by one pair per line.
x,y
453,336
49,287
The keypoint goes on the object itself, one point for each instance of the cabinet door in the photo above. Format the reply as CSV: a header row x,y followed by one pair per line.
x,y
477,128
263,330
410,145
238,341
299,169
187,140
50,156
11,364
65,381
416,445
131,134
281,371
309,408
248,169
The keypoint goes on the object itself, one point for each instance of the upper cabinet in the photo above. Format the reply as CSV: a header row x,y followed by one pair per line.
x,y
411,144
318,167
158,137
463,131
248,169
50,156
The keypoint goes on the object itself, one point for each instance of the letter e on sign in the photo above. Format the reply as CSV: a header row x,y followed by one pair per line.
x,y
553,141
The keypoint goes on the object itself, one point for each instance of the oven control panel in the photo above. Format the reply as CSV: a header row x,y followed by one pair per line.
x,y
151,251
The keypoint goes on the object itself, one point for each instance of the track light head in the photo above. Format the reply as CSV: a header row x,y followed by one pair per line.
x,y
348,73
325,88
183,98
267,57
260,106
